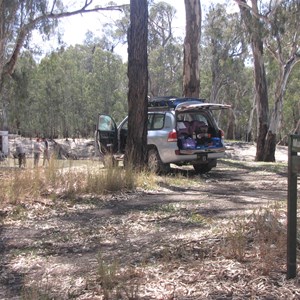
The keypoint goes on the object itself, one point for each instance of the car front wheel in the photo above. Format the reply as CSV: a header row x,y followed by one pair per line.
x,y
155,164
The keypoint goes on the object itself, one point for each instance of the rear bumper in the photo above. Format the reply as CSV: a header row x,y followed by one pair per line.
x,y
181,156
201,151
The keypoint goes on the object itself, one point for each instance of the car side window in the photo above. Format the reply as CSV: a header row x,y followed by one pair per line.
x,y
158,121
105,123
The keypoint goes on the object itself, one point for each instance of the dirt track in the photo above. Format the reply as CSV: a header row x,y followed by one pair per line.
x,y
61,249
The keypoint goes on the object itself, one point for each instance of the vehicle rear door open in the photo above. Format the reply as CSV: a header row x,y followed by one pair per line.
x,y
200,106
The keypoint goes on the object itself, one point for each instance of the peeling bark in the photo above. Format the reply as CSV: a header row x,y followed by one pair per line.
x,y
249,134
136,146
277,113
270,147
254,29
191,73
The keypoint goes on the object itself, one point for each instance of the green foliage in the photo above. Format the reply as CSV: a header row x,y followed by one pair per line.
x,y
62,95
19,87
291,113
165,52
161,16
165,71
22,15
226,78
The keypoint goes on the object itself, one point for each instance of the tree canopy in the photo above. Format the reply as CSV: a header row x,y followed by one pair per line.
x,y
20,18
61,94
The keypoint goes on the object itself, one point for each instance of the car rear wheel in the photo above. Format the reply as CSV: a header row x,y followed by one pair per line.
x,y
155,164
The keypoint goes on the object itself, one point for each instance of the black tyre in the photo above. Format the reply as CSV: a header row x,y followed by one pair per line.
x,y
155,164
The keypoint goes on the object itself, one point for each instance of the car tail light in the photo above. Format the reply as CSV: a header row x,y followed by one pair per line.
x,y
172,136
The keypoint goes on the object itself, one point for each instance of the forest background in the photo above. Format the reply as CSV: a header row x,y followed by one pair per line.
x,y
61,94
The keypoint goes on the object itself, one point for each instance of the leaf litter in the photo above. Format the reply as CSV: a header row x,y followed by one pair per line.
x,y
224,238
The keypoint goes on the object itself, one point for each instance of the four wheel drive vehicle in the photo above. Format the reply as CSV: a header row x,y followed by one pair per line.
x,y
181,131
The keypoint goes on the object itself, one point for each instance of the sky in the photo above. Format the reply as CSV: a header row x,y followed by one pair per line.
x,y
82,23
75,27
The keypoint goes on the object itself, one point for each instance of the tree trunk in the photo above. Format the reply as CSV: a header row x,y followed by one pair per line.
x,y
249,134
3,111
191,73
276,117
136,147
261,138
297,129
230,134
254,29
261,97
275,124
270,147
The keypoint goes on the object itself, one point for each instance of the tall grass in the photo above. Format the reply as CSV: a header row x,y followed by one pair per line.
x,y
20,184
57,178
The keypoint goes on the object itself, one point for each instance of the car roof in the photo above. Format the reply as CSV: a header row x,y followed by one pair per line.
x,y
170,102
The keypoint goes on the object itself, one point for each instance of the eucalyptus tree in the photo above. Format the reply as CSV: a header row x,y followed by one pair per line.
x,y
273,26
225,49
20,17
56,94
109,95
165,51
283,44
19,86
47,95
255,30
72,85
191,72
224,38
106,68
165,70
291,109
115,31
164,47
136,146
74,119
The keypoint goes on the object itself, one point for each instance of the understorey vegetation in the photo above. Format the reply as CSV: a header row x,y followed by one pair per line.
x,y
79,230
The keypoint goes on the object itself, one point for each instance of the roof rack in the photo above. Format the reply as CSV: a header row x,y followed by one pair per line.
x,y
171,101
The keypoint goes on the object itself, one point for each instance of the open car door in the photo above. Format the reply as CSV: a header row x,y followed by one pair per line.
x,y
106,136
197,131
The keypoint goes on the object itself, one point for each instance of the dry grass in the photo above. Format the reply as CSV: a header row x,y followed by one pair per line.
x,y
63,179
95,233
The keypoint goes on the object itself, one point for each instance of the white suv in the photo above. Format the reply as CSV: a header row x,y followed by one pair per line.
x,y
181,131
